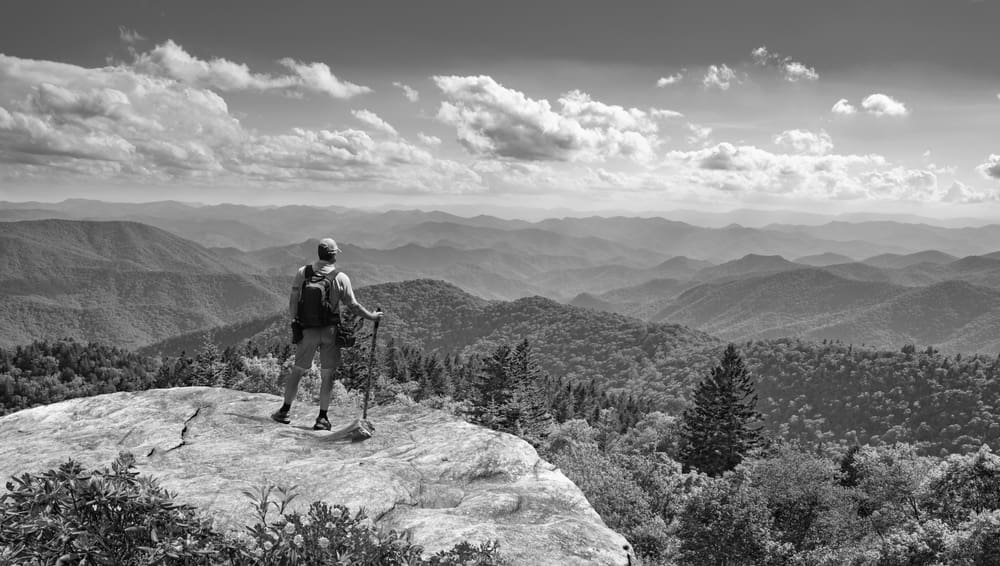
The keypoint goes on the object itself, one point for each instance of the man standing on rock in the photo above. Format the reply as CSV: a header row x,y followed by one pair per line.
x,y
318,291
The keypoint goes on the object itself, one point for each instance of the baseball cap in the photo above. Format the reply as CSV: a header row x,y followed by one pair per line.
x,y
328,245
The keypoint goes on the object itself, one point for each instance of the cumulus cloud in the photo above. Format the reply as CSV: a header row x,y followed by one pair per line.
x,y
317,77
116,122
754,172
428,139
697,134
669,80
129,35
493,120
373,120
409,92
170,60
720,77
883,105
793,71
960,193
843,107
900,182
991,169
751,170
804,141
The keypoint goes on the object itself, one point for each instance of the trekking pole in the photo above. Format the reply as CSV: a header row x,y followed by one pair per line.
x,y
371,366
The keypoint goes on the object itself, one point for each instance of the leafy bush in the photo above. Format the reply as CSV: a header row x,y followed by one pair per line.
x,y
332,535
117,517
108,516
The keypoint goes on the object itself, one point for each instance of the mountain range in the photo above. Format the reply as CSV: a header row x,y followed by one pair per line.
x,y
135,284
122,283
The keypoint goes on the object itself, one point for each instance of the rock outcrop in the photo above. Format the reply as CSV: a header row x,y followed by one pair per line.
x,y
441,478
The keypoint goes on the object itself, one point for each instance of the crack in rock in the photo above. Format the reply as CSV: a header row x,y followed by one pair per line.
x,y
184,430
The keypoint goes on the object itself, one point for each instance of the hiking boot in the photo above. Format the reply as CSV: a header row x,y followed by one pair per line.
x,y
322,423
281,417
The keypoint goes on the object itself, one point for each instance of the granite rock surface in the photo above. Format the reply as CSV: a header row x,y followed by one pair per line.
x,y
439,477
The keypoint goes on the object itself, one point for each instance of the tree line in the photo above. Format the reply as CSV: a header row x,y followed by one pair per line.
x,y
720,481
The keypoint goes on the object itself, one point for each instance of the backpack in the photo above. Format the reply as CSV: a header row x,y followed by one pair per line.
x,y
314,308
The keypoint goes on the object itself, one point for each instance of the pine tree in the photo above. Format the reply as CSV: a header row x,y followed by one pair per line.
x,y
208,365
494,388
530,396
721,427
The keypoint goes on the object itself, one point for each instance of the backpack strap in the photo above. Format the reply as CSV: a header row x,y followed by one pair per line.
x,y
307,273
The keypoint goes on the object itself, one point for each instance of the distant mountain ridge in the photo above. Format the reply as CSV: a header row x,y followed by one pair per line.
x,y
637,267
816,304
250,228
51,245
123,283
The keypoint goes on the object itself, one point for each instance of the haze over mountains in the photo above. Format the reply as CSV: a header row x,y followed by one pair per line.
x,y
136,274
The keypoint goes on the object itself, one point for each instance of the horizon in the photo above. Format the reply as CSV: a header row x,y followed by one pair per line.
x,y
746,217
582,108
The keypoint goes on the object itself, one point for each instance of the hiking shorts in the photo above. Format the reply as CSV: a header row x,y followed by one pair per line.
x,y
322,338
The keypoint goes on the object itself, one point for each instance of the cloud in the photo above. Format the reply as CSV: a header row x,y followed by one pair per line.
x,y
793,71
428,139
720,77
373,120
900,182
991,169
883,105
409,92
843,107
170,60
804,141
960,193
129,35
492,120
669,80
697,134
317,77
117,123
745,171
751,170
661,113
761,56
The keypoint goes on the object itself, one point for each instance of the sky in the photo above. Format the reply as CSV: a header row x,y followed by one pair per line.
x,y
880,106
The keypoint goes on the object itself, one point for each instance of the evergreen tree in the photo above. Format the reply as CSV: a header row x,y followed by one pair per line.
x,y
721,427
208,368
530,395
494,389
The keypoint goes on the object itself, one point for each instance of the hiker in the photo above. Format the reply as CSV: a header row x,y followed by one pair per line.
x,y
319,326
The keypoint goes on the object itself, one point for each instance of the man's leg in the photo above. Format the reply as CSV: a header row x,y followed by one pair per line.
x,y
329,355
304,352
292,384
325,389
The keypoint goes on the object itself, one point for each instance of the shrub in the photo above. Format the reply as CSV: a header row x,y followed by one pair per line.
x,y
117,517
108,516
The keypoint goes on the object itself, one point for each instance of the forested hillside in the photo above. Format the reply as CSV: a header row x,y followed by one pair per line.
x,y
823,392
578,343
120,283
844,501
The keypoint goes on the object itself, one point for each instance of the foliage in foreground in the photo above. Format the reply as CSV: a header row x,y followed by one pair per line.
x,y
115,516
